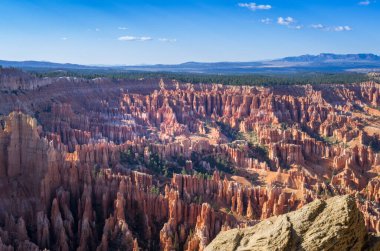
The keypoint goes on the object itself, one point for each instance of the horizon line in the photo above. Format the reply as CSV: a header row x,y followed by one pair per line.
x,y
186,62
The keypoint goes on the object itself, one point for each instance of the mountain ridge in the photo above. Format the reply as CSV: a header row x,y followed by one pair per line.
x,y
324,62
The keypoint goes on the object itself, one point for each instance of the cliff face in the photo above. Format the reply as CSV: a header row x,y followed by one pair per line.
x,y
25,160
12,79
334,224
158,165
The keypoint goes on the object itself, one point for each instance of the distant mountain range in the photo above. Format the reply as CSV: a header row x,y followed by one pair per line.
x,y
325,62
42,65
329,57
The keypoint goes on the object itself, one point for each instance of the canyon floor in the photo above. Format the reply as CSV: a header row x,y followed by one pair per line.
x,y
155,164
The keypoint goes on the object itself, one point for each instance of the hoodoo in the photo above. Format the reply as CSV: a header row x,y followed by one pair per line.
x,y
155,164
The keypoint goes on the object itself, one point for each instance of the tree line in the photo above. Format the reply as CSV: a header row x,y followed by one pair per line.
x,y
254,79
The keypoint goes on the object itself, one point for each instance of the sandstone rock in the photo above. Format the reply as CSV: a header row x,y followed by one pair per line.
x,y
335,224
81,178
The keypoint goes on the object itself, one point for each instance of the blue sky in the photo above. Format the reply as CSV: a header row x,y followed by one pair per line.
x,y
176,31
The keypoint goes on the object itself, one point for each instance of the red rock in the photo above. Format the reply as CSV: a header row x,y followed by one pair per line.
x,y
71,182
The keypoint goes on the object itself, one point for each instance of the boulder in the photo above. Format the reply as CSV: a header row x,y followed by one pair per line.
x,y
334,224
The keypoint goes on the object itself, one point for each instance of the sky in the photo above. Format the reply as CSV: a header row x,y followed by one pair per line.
x,y
123,32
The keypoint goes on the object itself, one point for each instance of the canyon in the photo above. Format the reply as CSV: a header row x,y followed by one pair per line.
x,y
156,164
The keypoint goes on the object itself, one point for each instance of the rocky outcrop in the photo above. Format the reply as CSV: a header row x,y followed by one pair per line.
x,y
334,224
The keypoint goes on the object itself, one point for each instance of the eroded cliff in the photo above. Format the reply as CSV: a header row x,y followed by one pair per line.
x,y
155,164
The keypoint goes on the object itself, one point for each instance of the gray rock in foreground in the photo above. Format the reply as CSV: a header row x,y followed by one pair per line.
x,y
334,224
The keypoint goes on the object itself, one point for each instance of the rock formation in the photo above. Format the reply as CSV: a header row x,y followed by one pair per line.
x,y
154,164
334,224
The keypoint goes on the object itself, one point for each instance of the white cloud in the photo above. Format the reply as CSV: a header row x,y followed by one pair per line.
x,y
331,28
342,28
133,38
289,22
365,3
254,6
318,26
266,20
122,28
97,29
286,21
64,38
167,40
